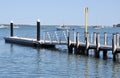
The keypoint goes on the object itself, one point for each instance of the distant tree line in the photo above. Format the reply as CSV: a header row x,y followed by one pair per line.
x,y
118,25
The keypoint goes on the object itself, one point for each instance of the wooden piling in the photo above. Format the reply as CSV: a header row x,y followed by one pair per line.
x,y
94,35
104,54
70,49
117,39
114,57
11,29
114,46
97,45
38,30
105,38
87,45
114,43
68,39
77,38
80,49
76,45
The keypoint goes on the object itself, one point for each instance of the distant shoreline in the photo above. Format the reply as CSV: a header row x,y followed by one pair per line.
x,y
34,25
48,25
16,25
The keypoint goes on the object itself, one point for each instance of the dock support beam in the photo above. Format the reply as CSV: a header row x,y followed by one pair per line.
x,y
38,30
11,29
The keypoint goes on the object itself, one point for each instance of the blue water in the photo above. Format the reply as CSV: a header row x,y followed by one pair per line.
x,y
17,61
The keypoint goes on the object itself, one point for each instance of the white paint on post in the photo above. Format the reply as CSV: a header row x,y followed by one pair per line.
x,y
11,22
38,20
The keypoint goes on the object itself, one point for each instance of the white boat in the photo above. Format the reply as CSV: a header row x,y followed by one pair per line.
x,y
16,27
98,27
63,27
2,26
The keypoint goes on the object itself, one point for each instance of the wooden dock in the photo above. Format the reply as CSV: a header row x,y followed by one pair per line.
x,y
76,46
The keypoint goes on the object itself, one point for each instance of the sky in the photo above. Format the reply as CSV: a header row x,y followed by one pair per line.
x,y
56,12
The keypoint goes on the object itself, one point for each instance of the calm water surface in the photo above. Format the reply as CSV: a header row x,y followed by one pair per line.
x,y
18,61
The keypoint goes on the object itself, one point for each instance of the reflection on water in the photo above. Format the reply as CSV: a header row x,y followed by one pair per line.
x,y
21,61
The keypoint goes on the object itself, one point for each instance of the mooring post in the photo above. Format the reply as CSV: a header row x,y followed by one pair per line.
x,y
11,28
114,46
97,45
105,38
94,40
38,30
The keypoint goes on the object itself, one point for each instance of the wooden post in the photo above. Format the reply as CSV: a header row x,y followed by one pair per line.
x,y
114,57
77,43
114,46
44,36
79,50
94,40
97,45
87,45
91,37
114,43
70,49
105,38
77,39
117,38
38,30
68,39
11,29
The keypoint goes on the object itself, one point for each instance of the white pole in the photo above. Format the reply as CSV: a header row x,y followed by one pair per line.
x,y
86,21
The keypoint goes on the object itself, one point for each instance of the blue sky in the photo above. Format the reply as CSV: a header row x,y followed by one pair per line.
x,y
101,12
